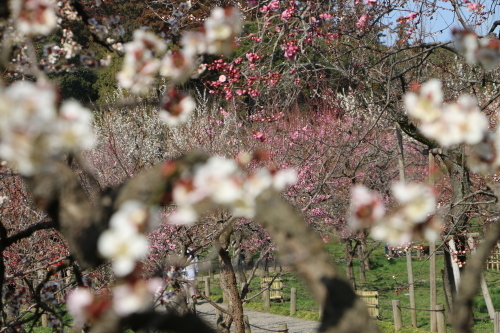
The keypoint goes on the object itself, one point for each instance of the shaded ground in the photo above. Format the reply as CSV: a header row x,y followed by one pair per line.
x,y
261,319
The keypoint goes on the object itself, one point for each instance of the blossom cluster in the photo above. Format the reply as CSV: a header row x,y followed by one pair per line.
x,y
141,64
412,217
35,17
124,299
124,242
484,51
32,130
221,182
449,124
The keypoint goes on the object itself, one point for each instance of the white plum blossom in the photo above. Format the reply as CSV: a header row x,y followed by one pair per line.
x,y
137,297
485,51
36,17
284,178
366,208
220,181
74,127
466,43
417,201
488,53
177,65
123,243
78,301
426,105
183,215
124,248
27,112
412,216
459,123
395,230
140,66
176,107
193,43
32,131
455,123
220,29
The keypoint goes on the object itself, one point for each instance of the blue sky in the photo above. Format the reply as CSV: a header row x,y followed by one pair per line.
x,y
444,19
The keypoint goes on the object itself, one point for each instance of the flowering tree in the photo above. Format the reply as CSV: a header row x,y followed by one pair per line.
x,y
105,201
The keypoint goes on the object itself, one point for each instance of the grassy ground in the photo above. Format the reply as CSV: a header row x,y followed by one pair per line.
x,y
380,278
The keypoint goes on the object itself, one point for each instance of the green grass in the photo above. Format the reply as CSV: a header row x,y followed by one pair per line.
x,y
378,278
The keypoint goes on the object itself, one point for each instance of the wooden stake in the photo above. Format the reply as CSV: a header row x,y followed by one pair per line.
x,y
402,179
432,260
401,157
207,286
484,286
293,301
283,327
409,267
496,323
454,265
396,311
441,322
248,329
267,299
433,291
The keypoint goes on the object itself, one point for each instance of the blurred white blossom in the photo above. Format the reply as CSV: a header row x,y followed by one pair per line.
x,y
220,29
425,105
36,17
417,201
221,182
123,242
176,107
366,208
78,301
137,297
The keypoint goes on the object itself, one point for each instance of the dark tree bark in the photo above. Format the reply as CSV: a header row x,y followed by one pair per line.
x,y
229,287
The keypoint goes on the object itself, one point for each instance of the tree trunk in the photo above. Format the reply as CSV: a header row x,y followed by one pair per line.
x,y
365,258
349,256
229,288
362,266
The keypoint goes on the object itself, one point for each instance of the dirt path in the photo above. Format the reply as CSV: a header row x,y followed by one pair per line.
x,y
262,319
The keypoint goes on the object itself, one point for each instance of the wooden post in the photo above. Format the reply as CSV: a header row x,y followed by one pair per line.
x,y
283,328
267,299
454,265
484,286
441,322
248,329
293,301
402,179
496,322
432,254
44,320
401,157
396,311
207,286
433,291
409,267
487,297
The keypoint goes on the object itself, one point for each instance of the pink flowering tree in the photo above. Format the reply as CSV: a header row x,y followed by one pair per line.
x,y
98,185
